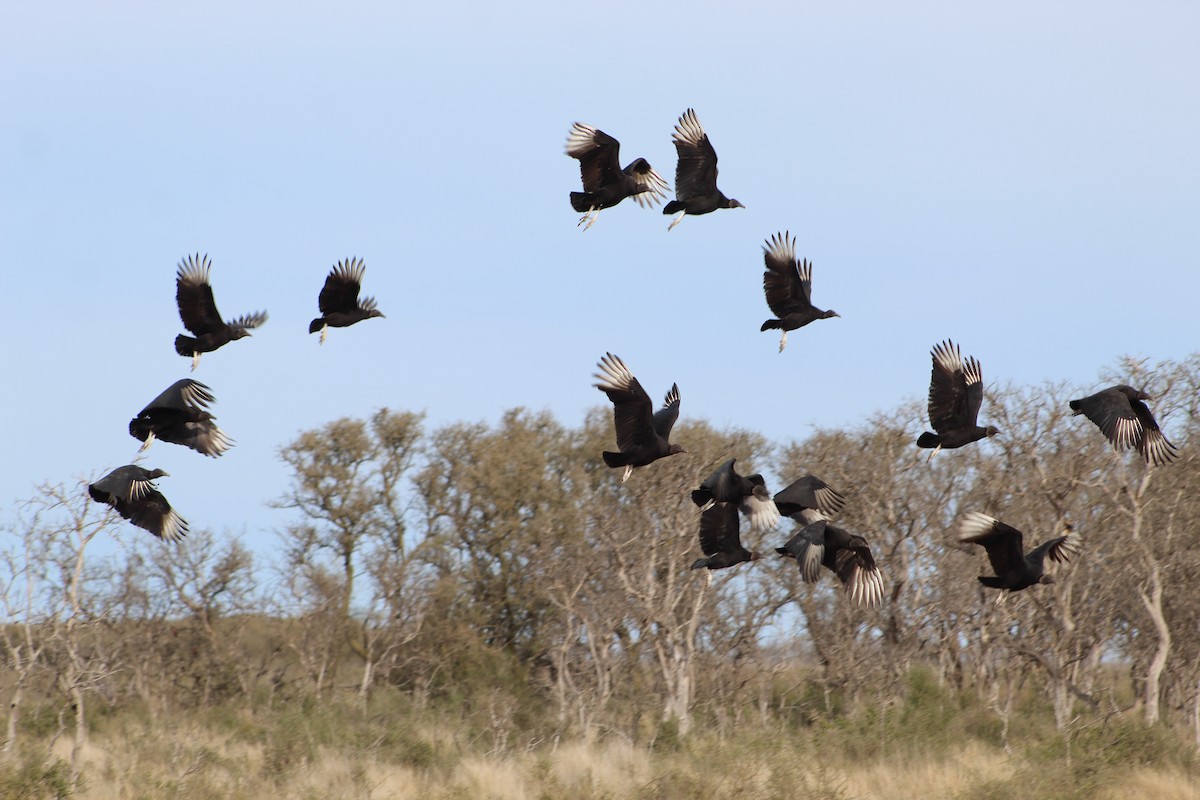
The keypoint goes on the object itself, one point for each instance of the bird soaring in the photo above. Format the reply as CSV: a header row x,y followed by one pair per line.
x,y
642,436
955,395
1015,569
787,284
129,490
179,415
696,189
198,310
339,302
1126,421
604,182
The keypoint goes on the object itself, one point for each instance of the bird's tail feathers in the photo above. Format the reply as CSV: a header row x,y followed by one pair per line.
x,y
582,201
672,207
699,562
184,345
992,581
771,324
928,439
1076,408
615,459
316,325
701,496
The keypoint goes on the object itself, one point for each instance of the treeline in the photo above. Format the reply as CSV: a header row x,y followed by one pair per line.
x,y
504,569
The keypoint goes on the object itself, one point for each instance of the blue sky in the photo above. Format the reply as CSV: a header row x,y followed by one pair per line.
x,y
1020,177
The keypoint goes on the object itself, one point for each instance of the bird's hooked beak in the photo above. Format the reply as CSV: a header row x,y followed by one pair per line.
x,y
735,204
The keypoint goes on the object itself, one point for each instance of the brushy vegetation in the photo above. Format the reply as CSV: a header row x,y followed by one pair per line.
x,y
925,742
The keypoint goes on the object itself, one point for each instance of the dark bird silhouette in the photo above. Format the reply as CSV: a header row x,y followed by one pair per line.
x,y
604,182
719,538
179,415
1015,569
1127,422
787,283
642,436
955,394
339,302
696,189
846,555
747,492
808,500
198,310
129,490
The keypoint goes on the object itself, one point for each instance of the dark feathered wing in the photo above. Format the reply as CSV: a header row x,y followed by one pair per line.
x,y
342,285
632,417
131,493
1004,544
955,389
719,530
787,283
598,154
810,493
1151,443
664,419
696,170
194,296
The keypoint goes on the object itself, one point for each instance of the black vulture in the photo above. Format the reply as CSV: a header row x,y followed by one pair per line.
x,y
1127,422
955,394
179,415
642,436
847,555
787,283
696,189
1015,570
719,538
604,182
129,490
748,493
339,302
808,500
198,310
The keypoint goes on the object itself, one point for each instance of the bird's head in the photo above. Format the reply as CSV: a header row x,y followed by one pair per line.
x,y
831,313
755,556
676,449
157,473
375,312
1047,579
734,204
239,333
991,431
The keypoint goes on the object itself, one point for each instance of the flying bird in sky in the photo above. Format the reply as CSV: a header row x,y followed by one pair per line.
x,y
1126,422
845,554
642,434
339,302
719,538
787,283
129,490
179,415
604,182
1015,569
696,189
198,310
955,395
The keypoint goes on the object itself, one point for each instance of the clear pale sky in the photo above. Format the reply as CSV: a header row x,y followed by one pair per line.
x,y
1021,177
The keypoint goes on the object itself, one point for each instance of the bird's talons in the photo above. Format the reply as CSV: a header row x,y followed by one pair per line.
x,y
783,341
324,332
675,222
933,453
589,218
195,361
628,472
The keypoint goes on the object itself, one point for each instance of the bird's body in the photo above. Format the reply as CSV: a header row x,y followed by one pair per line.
x,y
642,434
846,555
955,395
339,302
605,184
1120,413
179,415
787,284
809,500
696,189
720,540
747,492
1015,569
129,490
198,311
